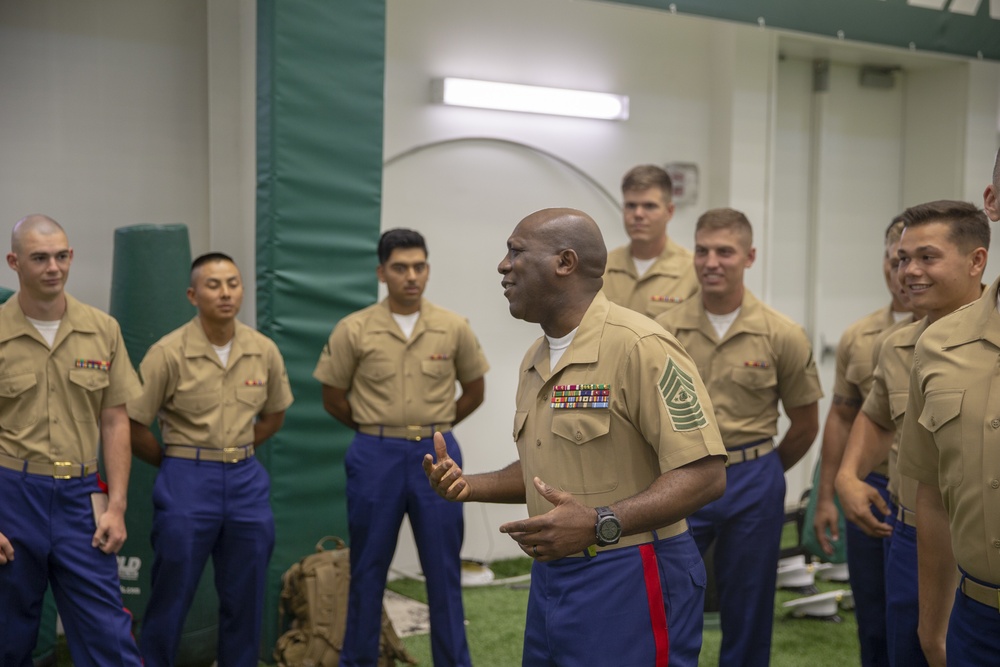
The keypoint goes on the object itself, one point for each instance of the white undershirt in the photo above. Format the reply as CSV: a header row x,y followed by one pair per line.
x,y
48,328
557,346
900,315
642,265
223,352
407,322
723,322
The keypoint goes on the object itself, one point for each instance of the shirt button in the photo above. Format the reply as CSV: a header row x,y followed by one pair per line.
x,y
579,436
995,423
996,544
538,443
995,484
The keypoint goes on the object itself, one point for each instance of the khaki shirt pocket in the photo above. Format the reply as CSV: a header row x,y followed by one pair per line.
x,y
591,466
375,384
438,381
253,397
755,378
18,407
940,416
195,403
87,387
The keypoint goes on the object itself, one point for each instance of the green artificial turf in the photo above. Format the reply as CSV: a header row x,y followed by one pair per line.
x,y
495,626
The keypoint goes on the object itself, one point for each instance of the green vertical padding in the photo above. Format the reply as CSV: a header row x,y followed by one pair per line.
x,y
320,73
149,281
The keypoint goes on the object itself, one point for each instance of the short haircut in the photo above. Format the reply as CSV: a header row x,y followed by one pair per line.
x,y
647,176
208,257
399,238
894,231
725,218
968,227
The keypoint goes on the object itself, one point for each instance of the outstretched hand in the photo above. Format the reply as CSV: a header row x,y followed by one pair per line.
x,y
445,476
566,529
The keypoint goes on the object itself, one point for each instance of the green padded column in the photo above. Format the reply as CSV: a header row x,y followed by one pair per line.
x,y
319,163
149,281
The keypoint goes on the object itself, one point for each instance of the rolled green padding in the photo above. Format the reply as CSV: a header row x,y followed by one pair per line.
x,y
149,281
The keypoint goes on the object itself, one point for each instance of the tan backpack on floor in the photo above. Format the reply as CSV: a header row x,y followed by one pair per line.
x,y
314,595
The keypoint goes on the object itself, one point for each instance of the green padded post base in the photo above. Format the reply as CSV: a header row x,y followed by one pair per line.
x,y
150,277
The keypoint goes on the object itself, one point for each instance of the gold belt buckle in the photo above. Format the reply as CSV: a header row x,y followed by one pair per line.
x,y
62,469
231,454
414,433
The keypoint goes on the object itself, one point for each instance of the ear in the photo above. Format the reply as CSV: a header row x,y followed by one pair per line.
x,y
751,256
190,295
979,256
12,261
568,261
380,272
991,202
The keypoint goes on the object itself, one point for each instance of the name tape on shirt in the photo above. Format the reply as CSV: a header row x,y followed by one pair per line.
x,y
591,396
681,399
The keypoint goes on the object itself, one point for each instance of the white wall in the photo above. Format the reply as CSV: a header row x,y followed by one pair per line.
x,y
103,123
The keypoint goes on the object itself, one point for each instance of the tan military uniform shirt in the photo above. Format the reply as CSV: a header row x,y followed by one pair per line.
x,y
51,399
656,417
763,358
394,381
951,432
886,403
198,402
853,378
669,281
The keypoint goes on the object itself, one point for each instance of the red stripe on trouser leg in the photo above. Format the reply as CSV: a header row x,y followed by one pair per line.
x,y
657,612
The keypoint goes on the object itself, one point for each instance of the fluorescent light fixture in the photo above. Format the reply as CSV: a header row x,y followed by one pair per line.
x,y
532,99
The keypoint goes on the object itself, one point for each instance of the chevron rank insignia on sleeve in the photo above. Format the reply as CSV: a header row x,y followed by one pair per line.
x,y
681,399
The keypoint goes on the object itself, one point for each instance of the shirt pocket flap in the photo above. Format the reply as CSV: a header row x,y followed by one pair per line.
x,y
581,425
15,385
755,378
435,369
940,408
89,379
253,396
376,372
195,403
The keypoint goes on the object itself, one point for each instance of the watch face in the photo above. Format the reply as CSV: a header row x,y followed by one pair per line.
x,y
609,530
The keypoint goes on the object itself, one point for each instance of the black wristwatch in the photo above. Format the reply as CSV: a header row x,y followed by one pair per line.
x,y
607,527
